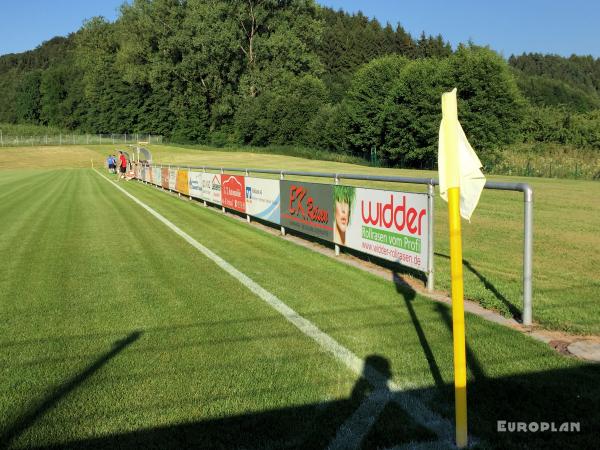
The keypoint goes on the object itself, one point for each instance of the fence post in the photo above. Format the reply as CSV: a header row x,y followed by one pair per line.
x,y
282,228
430,224
336,247
247,215
222,207
1,139
204,173
528,256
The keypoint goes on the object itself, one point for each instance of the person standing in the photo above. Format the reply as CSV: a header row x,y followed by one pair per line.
x,y
122,165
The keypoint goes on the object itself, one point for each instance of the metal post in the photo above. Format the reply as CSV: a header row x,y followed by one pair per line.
x,y
247,215
222,207
336,247
1,139
528,257
282,228
430,224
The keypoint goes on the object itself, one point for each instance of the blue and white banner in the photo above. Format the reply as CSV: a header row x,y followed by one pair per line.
x,y
195,180
263,199
156,175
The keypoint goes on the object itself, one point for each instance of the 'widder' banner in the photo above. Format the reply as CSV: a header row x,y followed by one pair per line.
x,y
388,224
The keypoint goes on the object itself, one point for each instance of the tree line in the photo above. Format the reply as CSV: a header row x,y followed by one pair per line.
x,y
290,72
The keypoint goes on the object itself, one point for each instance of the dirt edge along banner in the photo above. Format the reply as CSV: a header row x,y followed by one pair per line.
x,y
164,177
387,224
233,192
263,199
307,207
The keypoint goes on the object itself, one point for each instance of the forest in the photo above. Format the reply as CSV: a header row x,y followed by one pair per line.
x,y
291,72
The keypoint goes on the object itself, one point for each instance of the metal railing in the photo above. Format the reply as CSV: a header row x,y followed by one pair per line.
x,y
527,314
9,140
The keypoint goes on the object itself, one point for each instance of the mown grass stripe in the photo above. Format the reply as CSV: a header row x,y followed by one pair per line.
x,y
409,403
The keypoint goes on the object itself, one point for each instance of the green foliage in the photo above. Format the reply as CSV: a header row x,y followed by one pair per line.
x,y
271,72
61,89
365,101
28,99
281,116
545,91
559,125
582,72
412,113
490,106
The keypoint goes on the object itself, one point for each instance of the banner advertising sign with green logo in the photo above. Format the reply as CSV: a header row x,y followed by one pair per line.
x,y
387,224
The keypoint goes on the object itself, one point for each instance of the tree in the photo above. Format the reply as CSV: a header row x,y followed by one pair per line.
x,y
365,101
28,99
490,106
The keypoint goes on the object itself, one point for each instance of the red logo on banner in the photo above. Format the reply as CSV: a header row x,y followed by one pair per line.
x,y
303,205
233,192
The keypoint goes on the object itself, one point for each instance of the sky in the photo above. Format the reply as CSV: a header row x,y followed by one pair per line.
x,y
508,26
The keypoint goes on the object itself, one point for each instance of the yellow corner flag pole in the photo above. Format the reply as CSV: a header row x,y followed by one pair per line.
x,y
450,145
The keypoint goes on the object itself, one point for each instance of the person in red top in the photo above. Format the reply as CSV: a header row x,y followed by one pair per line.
x,y
122,165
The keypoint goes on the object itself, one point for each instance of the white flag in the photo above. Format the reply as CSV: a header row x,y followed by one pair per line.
x,y
471,179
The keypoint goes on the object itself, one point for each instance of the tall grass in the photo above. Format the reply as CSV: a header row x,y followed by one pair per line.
x,y
550,161
10,129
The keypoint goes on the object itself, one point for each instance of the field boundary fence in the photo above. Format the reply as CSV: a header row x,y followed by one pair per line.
x,y
309,212
11,140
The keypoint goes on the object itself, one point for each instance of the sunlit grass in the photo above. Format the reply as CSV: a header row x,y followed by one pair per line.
x,y
118,334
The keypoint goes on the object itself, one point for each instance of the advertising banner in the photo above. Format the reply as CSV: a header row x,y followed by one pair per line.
x,y
207,186
263,199
233,192
172,179
164,177
307,207
156,175
387,224
149,177
182,182
195,179
215,187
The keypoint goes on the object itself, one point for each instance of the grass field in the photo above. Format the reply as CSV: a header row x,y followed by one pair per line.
x,y
566,280
117,333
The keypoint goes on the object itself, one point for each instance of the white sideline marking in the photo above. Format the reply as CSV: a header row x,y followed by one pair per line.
x,y
417,410
352,432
